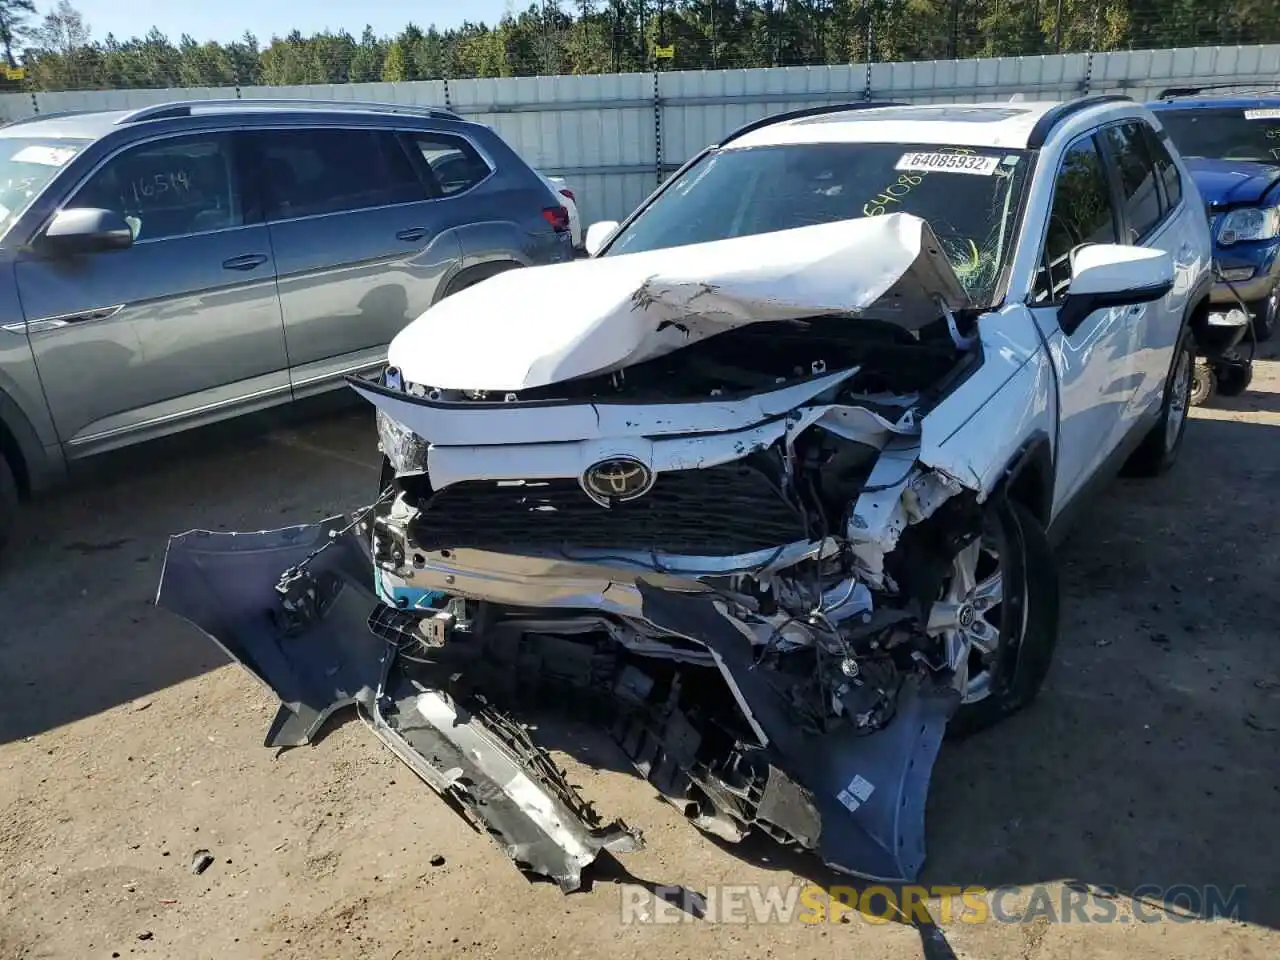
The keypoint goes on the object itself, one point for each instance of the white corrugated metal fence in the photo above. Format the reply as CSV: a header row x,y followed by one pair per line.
x,y
615,135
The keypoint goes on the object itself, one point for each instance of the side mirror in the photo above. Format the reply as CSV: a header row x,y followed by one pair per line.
x,y
597,235
1105,275
86,230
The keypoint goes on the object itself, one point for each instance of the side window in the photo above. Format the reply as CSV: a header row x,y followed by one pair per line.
x,y
1137,178
317,171
1166,170
169,188
455,165
1081,213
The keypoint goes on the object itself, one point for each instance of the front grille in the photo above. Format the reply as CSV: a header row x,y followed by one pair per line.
x,y
719,511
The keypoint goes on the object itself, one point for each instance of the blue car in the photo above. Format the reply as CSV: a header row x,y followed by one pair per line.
x,y
1231,145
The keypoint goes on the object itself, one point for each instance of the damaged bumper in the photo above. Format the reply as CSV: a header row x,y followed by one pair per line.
x,y
857,800
475,757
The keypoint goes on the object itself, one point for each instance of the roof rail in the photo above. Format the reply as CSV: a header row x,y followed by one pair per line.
x,y
48,116
807,112
185,108
1060,112
1171,92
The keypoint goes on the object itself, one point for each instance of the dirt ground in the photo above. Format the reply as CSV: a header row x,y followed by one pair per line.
x,y
1151,758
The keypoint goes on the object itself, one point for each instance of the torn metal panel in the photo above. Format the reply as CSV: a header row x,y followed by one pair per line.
x,y
593,580
226,585
518,330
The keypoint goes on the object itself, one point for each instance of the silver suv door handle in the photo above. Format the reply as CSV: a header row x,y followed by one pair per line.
x,y
246,262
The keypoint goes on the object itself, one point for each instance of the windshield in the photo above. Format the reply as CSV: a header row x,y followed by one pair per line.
x,y
27,164
969,197
1225,134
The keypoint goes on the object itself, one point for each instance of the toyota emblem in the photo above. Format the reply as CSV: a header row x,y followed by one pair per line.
x,y
617,480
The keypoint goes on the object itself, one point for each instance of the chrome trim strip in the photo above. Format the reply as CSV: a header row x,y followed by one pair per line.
x,y
66,319
354,370
179,415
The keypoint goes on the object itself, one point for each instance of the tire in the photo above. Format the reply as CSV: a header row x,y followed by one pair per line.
x,y
1204,384
1264,316
1159,448
1234,378
1027,621
8,501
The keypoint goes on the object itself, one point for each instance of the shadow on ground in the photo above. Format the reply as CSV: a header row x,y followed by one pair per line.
x,y
78,630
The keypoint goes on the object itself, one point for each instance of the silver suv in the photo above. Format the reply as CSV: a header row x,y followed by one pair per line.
x,y
182,263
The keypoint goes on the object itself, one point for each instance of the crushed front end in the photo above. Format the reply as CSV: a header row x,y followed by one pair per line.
x,y
727,553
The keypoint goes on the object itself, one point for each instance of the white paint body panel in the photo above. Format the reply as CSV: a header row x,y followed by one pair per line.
x,y
518,330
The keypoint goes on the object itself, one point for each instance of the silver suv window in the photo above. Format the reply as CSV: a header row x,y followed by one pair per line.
x,y
322,171
455,165
27,164
169,188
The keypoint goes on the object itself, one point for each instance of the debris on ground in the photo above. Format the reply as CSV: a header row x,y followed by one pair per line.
x,y
201,861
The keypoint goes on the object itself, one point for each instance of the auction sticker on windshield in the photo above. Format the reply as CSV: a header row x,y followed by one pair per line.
x,y
948,163
1263,113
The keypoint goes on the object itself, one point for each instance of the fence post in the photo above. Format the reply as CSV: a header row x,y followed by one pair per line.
x,y
448,103
657,129
1088,72
35,104
866,86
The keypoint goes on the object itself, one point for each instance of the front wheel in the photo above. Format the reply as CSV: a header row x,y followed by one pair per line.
x,y
997,617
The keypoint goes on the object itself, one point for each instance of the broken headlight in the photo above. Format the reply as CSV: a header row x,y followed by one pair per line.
x,y
405,449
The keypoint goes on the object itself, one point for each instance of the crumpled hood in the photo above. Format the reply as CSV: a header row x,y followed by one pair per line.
x,y
542,325
1225,183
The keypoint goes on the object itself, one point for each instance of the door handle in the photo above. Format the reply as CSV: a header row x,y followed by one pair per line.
x,y
246,262
412,235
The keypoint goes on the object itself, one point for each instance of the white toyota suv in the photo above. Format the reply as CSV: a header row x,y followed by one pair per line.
x,y
770,497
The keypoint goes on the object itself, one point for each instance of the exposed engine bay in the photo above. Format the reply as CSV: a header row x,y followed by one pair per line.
x,y
729,555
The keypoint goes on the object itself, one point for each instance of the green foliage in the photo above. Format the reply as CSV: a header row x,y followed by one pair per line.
x,y
608,36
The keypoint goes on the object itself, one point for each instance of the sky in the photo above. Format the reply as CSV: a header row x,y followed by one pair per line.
x,y
228,19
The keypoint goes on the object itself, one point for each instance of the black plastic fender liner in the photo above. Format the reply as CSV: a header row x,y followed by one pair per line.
x,y
508,787
869,789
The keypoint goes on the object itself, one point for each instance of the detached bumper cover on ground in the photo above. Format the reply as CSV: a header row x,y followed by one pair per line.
x,y
484,765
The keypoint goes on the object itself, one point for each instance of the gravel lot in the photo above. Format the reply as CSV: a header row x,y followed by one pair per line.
x,y
126,744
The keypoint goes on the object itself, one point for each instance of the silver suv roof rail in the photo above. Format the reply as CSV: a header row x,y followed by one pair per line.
x,y
46,116
185,108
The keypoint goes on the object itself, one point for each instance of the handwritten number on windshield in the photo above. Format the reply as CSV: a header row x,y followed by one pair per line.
x,y
144,188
